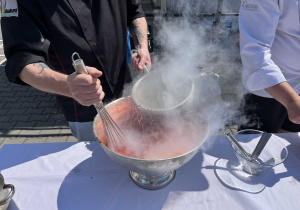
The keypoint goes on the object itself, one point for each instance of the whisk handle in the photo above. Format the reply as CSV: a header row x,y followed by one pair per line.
x,y
80,68
99,105
79,65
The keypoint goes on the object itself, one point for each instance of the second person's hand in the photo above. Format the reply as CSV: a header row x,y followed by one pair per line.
x,y
293,109
141,58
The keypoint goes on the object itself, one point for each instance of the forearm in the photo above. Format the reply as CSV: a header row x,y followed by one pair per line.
x,y
40,76
283,93
138,31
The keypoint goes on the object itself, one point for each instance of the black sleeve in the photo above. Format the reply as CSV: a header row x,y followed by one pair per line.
x,y
23,42
134,11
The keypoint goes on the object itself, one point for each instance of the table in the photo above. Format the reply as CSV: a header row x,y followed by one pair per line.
x,y
81,176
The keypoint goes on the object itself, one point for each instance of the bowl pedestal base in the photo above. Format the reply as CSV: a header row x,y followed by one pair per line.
x,y
152,182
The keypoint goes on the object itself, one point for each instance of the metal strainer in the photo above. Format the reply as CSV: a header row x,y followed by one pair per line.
x,y
160,91
166,90
155,92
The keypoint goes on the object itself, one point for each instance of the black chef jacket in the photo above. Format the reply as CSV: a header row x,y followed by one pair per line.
x,y
50,31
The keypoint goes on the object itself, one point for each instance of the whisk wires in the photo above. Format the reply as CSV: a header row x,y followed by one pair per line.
x,y
112,132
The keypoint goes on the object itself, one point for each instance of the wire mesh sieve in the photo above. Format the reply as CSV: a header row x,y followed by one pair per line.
x,y
156,92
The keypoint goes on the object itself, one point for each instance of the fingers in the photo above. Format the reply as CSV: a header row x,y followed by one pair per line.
x,y
82,79
144,61
139,60
86,88
91,98
87,79
134,60
141,63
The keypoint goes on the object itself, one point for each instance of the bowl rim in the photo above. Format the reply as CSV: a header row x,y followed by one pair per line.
x,y
244,158
146,160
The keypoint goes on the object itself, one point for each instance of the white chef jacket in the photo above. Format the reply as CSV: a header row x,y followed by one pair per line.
x,y
270,44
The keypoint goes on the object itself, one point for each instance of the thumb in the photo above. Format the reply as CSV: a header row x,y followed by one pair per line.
x,y
94,72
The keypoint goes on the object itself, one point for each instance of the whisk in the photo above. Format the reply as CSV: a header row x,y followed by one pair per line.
x,y
112,132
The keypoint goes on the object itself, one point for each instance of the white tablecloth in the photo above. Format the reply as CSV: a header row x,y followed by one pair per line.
x,y
81,176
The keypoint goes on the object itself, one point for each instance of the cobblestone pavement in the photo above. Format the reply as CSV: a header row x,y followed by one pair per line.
x,y
28,115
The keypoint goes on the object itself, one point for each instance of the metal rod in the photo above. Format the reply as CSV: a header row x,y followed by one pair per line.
x,y
260,145
237,144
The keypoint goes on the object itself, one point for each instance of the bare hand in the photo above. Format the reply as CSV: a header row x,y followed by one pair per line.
x,y
286,95
293,109
138,60
86,88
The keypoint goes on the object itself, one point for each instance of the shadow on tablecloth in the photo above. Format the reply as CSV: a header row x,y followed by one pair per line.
x,y
100,183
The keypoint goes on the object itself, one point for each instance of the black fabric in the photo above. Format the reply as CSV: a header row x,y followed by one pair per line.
x,y
266,114
51,31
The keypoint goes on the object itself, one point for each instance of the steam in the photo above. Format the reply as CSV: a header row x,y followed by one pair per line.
x,y
192,48
165,139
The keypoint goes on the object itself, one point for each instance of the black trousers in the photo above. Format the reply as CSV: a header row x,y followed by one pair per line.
x,y
266,114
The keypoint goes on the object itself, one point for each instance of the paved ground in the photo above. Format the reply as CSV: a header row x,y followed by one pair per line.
x,y
28,115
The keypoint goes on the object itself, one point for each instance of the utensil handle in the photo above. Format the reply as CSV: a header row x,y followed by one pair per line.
x,y
10,195
145,69
237,144
78,64
260,145
80,68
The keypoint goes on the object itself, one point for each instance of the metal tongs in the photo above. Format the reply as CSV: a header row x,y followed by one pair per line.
x,y
258,149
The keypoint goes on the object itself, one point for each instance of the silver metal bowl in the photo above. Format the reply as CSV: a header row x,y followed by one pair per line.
x,y
150,174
